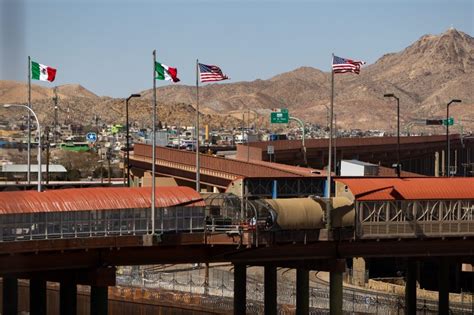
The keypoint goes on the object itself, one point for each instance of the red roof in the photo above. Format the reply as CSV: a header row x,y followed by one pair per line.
x,y
77,199
410,188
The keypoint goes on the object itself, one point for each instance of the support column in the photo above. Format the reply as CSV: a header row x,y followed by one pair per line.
x,y
443,297
335,293
358,271
436,164
10,294
37,296
240,289
270,294
99,300
68,298
302,291
410,288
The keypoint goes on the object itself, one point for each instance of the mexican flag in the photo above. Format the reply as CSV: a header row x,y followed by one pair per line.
x,y
166,73
42,72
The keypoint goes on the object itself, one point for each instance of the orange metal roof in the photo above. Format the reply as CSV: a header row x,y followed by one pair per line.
x,y
410,188
77,199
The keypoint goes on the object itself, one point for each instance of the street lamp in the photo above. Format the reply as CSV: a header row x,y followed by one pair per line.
x,y
398,131
448,164
128,138
39,139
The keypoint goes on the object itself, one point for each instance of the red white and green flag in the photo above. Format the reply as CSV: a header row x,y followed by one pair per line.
x,y
165,72
42,72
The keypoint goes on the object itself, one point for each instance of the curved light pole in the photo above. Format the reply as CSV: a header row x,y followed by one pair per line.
x,y
248,130
39,139
303,137
128,138
398,130
448,155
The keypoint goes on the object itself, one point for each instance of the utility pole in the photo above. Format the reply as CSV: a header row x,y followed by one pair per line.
x,y
109,157
55,128
46,133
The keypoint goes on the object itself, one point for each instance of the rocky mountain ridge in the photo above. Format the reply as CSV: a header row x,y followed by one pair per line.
x,y
425,76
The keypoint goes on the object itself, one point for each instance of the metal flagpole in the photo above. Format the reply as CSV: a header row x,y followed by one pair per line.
x,y
198,184
335,145
328,190
28,176
153,154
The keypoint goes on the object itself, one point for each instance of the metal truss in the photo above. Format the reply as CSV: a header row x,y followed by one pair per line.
x,y
286,187
420,218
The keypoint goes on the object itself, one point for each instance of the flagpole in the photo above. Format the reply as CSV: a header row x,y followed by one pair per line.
x,y
28,176
328,183
198,184
153,154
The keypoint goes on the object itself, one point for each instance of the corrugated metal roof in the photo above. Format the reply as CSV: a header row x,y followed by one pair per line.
x,y
410,188
23,168
77,199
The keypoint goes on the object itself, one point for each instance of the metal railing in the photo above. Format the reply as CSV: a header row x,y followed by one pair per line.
x,y
74,224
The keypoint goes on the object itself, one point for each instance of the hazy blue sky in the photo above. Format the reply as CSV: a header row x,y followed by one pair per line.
x,y
107,45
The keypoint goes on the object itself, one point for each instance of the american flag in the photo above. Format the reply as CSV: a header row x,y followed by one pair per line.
x,y
211,73
343,65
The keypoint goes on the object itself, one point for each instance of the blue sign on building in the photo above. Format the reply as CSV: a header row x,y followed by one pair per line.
x,y
91,137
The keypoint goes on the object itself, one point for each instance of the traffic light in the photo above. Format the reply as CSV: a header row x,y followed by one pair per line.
x,y
432,122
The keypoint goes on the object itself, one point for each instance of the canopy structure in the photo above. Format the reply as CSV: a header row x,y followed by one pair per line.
x,y
438,188
23,168
79,199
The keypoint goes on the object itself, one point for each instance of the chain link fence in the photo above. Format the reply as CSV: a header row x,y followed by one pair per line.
x,y
219,292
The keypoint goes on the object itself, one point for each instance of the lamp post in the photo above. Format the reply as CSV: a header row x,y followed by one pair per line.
x,y
39,138
448,155
128,138
398,130
248,131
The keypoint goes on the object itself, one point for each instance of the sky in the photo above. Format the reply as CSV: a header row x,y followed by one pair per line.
x,y
106,45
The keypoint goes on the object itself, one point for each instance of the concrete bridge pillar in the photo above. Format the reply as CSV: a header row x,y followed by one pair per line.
x,y
68,297
10,295
99,300
302,291
240,289
443,297
358,271
38,296
410,288
270,294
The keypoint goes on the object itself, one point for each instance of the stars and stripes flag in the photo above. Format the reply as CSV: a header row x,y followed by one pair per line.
x,y
343,65
210,73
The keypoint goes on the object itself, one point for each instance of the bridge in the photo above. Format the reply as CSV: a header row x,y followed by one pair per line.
x,y
418,154
79,236
421,155
216,173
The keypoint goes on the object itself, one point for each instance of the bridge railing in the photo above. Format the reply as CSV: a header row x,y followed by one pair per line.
x,y
72,224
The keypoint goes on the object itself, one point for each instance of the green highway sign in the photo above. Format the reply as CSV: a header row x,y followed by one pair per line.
x,y
450,121
281,117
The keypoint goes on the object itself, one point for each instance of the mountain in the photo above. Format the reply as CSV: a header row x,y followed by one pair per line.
x,y
17,92
425,76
